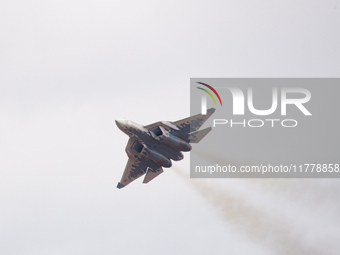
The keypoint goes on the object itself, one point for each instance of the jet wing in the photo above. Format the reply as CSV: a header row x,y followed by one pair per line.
x,y
133,170
193,123
186,125
136,167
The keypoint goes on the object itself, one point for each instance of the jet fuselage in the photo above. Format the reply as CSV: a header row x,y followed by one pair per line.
x,y
159,147
152,147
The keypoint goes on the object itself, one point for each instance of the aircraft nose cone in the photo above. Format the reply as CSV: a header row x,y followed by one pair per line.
x,y
121,123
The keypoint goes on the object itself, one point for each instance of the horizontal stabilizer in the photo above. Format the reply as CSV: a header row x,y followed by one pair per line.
x,y
197,136
152,174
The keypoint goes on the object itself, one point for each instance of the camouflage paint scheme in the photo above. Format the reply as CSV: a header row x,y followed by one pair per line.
x,y
152,147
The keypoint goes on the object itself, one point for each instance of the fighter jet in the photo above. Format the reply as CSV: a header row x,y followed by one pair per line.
x,y
152,147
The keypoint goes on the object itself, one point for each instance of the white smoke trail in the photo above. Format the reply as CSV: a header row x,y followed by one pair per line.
x,y
251,220
291,186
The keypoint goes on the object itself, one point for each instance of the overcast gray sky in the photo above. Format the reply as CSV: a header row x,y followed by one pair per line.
x,y
68,69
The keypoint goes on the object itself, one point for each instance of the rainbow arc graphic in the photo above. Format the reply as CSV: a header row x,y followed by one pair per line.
x,y
204,101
